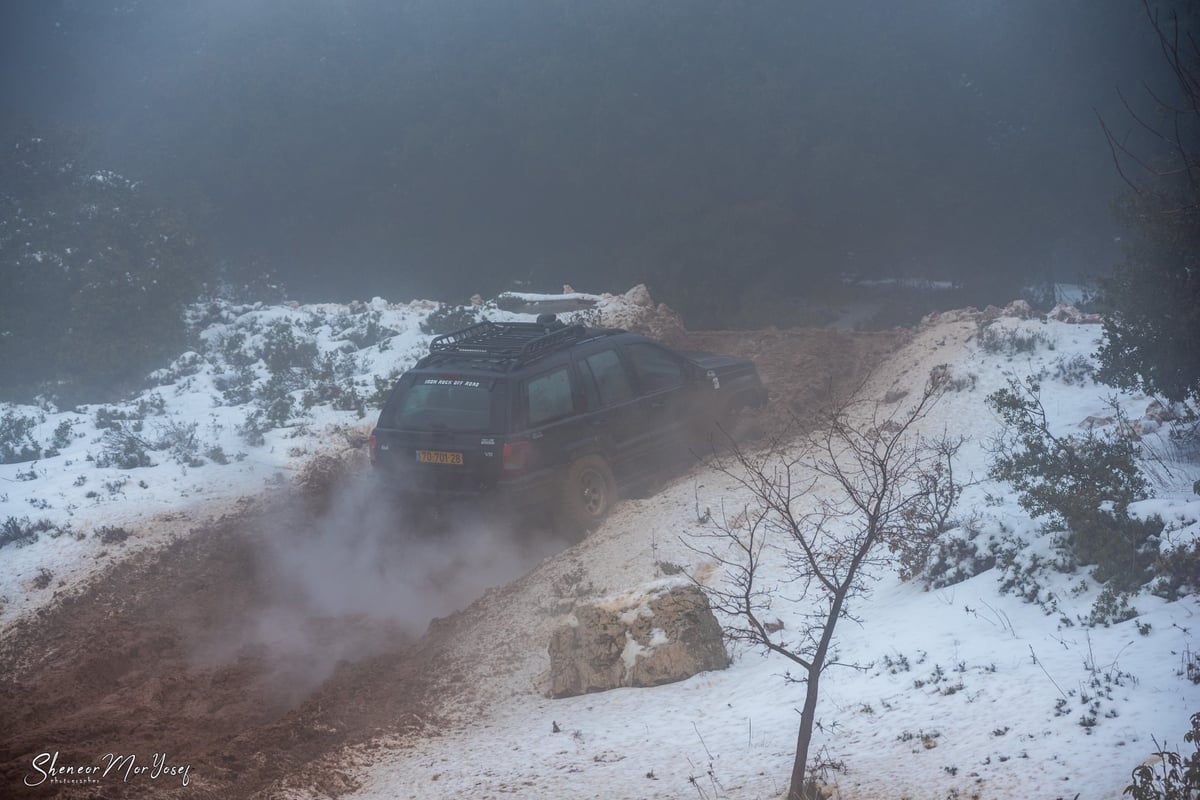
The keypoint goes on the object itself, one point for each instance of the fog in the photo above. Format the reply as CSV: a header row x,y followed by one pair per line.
x,y
718,151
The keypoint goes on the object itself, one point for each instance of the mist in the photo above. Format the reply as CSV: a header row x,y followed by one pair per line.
x,y
365,577
709,149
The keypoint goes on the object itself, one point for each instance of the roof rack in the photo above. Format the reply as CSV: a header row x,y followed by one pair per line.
x,y
504,341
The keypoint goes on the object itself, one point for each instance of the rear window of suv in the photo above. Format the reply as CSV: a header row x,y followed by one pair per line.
x,y
430,402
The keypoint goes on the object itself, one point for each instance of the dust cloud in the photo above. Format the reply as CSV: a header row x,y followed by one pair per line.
x,y
363,578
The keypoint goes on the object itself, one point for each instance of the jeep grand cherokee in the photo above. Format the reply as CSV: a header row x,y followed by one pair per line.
x,y
549,417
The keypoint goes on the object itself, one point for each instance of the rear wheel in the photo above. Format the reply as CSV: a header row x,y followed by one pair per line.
x,y
588,493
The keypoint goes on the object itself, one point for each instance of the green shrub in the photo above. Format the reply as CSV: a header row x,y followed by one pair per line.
x,y
447,319
277,411
1083,484
109,418
124,449
253,428
154,404
111,534
216,454
1118,544
237,387
1074,371
363,330
63,434
1109,608
997,340
382,389
283,353
16,438
331,380
957,557
1023,571
961,383
21,531
190,363
1174,777
179,439
926,519
232,348
1178,571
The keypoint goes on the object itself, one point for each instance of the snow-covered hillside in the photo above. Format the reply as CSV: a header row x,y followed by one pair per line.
x,y
959,691
267,388
963,690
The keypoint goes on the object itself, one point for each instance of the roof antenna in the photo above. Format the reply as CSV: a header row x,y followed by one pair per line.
x,y
550,321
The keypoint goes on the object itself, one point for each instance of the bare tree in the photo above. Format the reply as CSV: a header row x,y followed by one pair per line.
x,y
1175,132
836,511
1151,295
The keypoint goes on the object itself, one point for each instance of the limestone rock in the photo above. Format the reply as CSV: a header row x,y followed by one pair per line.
x,y
636,311
657,634
1094,421
1073,316
1021,310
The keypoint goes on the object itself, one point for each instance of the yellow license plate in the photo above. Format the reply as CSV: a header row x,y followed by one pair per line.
x,y
439,457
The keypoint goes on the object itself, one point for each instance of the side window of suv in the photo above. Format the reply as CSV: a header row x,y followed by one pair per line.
x,y
549,396
656,369
605,378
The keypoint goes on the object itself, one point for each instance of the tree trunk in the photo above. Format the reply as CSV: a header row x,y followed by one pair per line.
x,y
796,791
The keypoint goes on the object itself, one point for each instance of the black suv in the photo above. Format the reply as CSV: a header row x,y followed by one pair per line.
x,y
550,417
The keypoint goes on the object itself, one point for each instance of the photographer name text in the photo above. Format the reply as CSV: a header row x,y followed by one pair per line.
x,y
47,770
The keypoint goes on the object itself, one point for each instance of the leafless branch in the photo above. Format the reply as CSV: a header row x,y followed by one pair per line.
x,y
1180,51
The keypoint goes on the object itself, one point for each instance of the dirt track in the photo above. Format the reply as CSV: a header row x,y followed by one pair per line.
x,y
131,664
119,668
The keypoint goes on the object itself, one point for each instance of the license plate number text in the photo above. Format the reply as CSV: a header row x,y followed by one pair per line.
x,y
439,457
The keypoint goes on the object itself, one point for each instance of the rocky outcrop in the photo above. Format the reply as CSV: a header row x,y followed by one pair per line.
x,y
1073,316
658,634
636,311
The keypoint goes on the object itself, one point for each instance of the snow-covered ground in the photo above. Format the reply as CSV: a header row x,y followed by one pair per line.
x,y
961,691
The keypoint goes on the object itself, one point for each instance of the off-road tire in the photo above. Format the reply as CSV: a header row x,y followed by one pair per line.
x,y
587,494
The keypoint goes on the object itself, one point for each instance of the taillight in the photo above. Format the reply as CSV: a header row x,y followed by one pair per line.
x,y
373,449
515,455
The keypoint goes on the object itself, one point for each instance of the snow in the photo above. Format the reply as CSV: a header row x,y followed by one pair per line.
x,y
958,691
541,297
